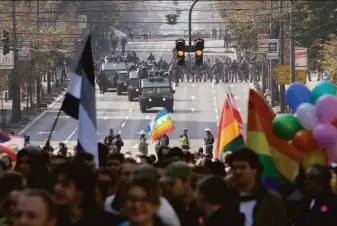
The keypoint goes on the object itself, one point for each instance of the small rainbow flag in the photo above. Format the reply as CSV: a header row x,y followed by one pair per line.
x,y
160,125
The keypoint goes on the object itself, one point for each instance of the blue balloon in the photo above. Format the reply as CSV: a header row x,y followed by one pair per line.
x,y
297,94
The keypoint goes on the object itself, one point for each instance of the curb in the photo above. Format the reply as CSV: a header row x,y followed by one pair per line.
x,y
58,99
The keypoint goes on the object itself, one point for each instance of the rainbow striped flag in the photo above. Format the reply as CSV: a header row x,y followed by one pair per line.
x,y
280,159
237,114
229,133
160,125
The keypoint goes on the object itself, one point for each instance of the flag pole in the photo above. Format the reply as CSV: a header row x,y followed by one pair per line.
x,y
54,124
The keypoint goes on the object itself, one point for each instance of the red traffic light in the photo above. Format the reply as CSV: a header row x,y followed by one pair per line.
x,y
199,44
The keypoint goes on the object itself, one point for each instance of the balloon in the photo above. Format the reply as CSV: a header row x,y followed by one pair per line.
x,y
285,126
304,141
321,89
325,135
306,116
297,94
326,108
312,158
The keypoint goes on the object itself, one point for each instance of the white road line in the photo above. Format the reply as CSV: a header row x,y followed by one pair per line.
x,y
119,132
216,110
130,110
215,104
42,114
214,97
70,136
133,103
123,124
193,85
106,117
217,117
126,118
147,117
213,91
213,85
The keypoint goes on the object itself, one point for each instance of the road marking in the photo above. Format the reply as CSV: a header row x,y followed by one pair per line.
x,y
123,124
106,117
126,118
141,132
147,117
193,97
193,109
45,133
42,114
63,116
217,117
214,103
119,132
130,110
133,103
213,85
193,85
216,110
70,136
214,97
232,86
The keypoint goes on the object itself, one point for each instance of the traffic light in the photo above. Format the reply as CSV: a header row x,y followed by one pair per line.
x,y
180,47
199,51
5,42
172,19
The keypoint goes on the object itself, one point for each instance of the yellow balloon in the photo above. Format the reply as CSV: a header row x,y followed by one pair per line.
x,y
314,157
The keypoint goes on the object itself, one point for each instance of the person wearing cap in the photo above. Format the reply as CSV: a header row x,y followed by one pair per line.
x,y
118,142
143,144
209,141
260,205
179,178
184,140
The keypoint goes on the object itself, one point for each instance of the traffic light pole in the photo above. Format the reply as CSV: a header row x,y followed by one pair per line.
x,y
190,33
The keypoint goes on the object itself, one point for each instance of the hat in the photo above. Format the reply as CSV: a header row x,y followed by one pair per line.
x,y
207,130
185,129
176,170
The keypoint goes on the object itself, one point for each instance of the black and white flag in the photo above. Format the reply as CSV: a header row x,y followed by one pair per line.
x,y
80,102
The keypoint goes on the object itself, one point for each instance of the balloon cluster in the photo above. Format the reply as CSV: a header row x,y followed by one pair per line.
x,y
313,126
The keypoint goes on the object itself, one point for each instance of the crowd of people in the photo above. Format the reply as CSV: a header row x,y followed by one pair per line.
x,y
172,188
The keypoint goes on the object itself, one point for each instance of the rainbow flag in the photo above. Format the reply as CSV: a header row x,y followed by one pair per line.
x,y
229,134
237,114
161,124
280,159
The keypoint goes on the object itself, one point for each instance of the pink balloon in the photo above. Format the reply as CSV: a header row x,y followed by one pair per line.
x,y
326,108
325,135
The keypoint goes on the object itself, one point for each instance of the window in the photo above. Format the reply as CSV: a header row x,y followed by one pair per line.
x,y
164,90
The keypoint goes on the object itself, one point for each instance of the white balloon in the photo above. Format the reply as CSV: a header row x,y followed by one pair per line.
x,y
306,116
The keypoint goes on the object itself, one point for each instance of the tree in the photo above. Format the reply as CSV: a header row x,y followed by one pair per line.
x,y
328,55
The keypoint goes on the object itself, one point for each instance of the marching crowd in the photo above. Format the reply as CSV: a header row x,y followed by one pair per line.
x,y
172,188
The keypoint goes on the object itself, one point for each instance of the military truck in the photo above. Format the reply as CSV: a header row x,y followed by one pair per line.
x,y
156,91
133,88
122,82
110,70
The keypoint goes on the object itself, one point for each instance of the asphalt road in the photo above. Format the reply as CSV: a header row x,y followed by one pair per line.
x,y
197,106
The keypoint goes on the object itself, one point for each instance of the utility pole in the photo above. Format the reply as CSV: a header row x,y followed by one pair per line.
x,y
190,33
271,79
15,86
38,75
281,49
292,45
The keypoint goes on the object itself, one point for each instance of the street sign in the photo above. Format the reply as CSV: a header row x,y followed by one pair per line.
x,y
273,49
262,43
25,51
7,61
283,74
301,76
82,21
301,58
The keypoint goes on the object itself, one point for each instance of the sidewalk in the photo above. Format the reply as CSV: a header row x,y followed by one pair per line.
x,y
30,113
276,109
